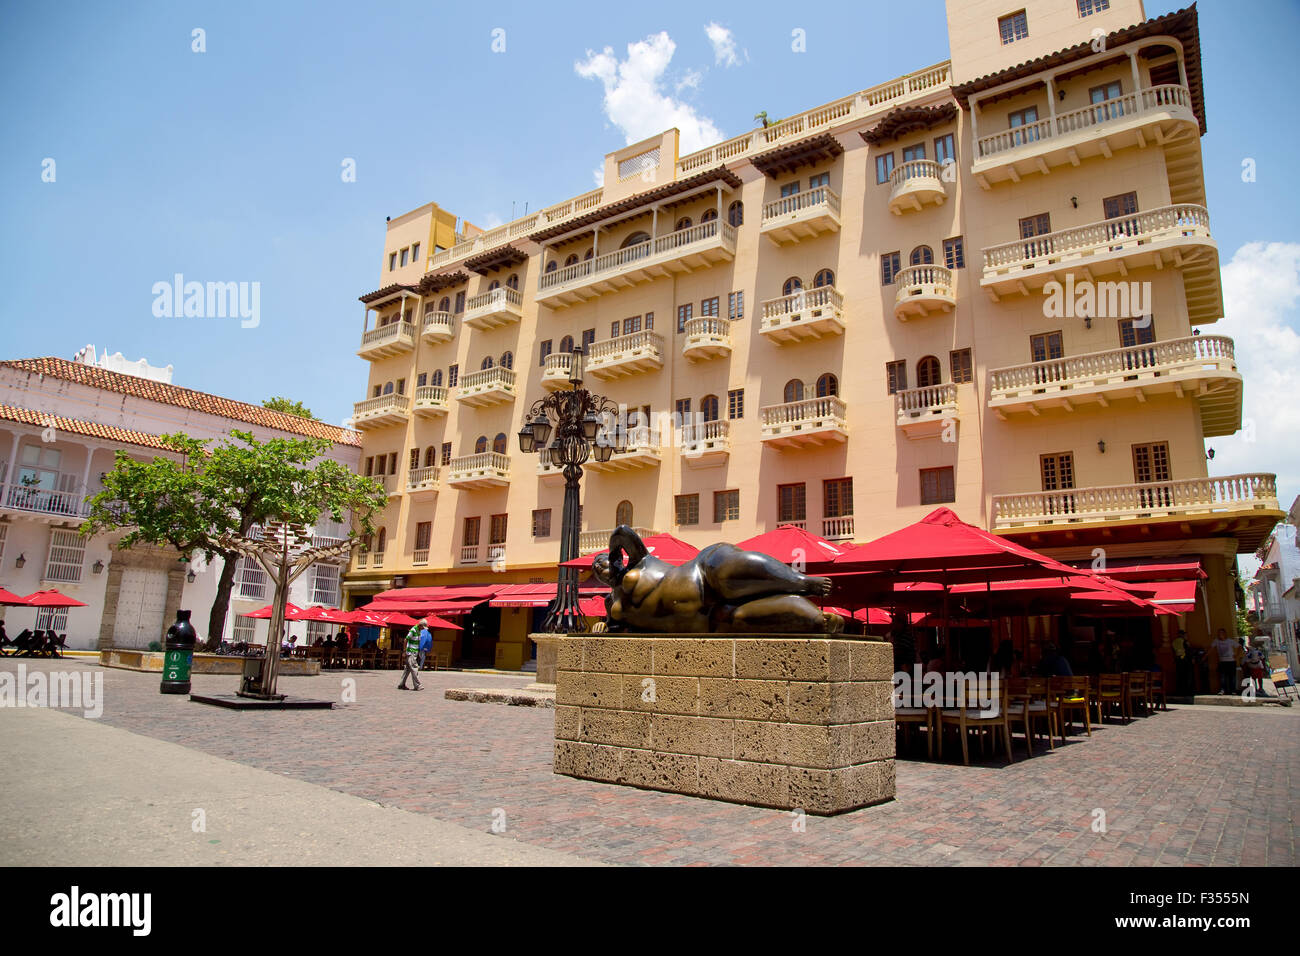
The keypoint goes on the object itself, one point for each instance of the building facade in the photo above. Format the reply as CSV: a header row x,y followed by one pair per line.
x,y
989,284
1275,590
61,425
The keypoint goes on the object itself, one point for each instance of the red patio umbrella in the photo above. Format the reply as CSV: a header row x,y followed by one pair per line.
x,y
10,599
51,598
330,615
292,612
592,606
789,543
663,546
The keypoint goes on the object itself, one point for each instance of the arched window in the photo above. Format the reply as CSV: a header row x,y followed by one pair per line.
x,y
493,285
513,281
736,213
635,238
792,285
445,304
683,223
824,277
487,363
552,266
708,215
507,359
590,253
388,388
572,260
460,302
623,513
827,384
480,445
928,372
709,408
922,256
499,443
430,456
566,344
793,391
383,541
436,377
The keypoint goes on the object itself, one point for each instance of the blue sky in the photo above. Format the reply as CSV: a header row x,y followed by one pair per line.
x,y
225,165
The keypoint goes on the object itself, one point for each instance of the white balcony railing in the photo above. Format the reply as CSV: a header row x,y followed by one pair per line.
x,y
927,401
710,335
431,398
483,469
439,326
838,529
598,540
388,339
495,307
810,421
1095,369
822,197
1189,496
22,497
487,386
670,246
422,479
626,354
469,554
816,311
420,557
922,289
386,408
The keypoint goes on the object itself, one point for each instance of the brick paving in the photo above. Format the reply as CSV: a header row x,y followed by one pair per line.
x,y
1217,786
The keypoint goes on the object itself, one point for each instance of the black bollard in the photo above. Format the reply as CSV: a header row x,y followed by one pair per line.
x,y
178,656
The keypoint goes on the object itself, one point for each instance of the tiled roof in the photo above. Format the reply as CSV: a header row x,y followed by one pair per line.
x,y
166,394
73,426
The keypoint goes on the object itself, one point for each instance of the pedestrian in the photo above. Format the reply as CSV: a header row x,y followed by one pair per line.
x,y
1182,665
412,668
1226,652
1253,663
426,644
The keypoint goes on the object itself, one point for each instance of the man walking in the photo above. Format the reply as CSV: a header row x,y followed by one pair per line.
x,y
1226,651
412,668
426,644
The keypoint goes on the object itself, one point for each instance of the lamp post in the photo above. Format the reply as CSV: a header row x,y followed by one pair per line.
x,y
569,427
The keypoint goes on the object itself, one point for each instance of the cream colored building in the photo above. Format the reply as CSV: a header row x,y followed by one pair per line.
x,y
990,284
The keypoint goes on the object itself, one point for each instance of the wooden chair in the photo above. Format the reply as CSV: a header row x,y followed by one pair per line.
x,y
1156,689
443,661
1039,707
354,657
1069,695
1136,686
967,713
905,718
1018,701
1110,693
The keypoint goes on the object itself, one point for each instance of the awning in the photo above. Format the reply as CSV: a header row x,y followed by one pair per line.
x,y
1150,569
1179,596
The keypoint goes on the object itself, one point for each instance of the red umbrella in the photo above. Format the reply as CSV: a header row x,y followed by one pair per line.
x,y
11,599
330,615
593,606
789,544
395,619
51,598
663,546
292,612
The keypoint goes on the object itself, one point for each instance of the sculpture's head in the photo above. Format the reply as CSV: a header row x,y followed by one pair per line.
x,y
601,569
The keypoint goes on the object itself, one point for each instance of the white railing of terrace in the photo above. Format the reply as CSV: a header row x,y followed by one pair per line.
x,y
801,202
1096,368
393,402
808,410
494,299
22,497
483,461
496,375
914,169
927,400
775,311
612,262
612,349
386,334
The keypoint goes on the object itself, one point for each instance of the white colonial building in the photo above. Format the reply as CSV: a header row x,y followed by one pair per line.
x,y
1275,591
61,424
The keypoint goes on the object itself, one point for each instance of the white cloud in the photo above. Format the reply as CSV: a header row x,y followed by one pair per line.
x,y
724,46
635,100
1261,297
491,221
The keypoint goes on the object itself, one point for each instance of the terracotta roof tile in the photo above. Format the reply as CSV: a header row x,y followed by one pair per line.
x,y
166,394
73,426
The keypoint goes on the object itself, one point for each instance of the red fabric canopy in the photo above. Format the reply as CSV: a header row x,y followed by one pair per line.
x,y
441,592
789,544
593,606
11,599
1151,569
331,615
364,615
292,612
663,546
1177,596
51,598
445,608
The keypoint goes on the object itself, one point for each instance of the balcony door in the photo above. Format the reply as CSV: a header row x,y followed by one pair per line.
x,y
1045,348
1121,216
1026,117
1151,466
1032,227
1057,472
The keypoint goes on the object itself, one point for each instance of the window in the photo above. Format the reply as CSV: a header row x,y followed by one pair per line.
x,y
649,321
1151,462
819,180
1089,7
415,459
954,253
513,281
494,285
1027,117
896,376
921,256
388,388
588,336
911,153
453,376
613,329
487,363
415,252
566,344
325,585
445,453
790,189
422,380
708,216
245,629
507,360
736,213
791,503
631,325
837,497
937,486
1120,208
571,260
423,534
430,456
944,150
378,391
682,409
480,445
499,443
1132,334
623,513
792,285
392,463
1057,471
683,223
709,408
436,379
460,302
404,252
709,307
370,466
67,555
736,305
684,316
827,385
1046,346
928,372
1106,101
542,523
824,277
884,166
1013,27
497,529
687,508
52,619
392,261
736,403
726,505
250,580
469,537
959,364
890,262
552,266
793,391
1032,226
635,239
543,350
401,386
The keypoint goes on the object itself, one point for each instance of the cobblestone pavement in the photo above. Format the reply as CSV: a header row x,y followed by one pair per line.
x,y
1192,786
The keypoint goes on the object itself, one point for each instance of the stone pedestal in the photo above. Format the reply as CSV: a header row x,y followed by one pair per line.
x,y
546,651
790,722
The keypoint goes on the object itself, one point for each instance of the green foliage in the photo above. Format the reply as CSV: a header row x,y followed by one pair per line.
x,y
1244,627
287,405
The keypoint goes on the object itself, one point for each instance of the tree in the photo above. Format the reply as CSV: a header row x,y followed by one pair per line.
x,y
205,497
287,405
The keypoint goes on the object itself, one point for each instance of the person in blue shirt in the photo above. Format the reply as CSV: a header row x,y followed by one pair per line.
x,y
426,642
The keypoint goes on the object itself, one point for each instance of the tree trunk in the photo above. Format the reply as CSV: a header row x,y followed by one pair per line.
x,y
220,605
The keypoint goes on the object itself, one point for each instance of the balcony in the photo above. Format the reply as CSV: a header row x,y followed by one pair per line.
x,y
802,216
556,370
487,469
922,290
489,386
813,421
430,400
706,444
1200,366
598,540
925,412
387,340
490,310
420,480
1271,612
706,338
420,557
44,501
388,483
803,315
642,452
915,183
439,327
391,409
1177,236
1188,498
1153,116
626,355
838,529
683,251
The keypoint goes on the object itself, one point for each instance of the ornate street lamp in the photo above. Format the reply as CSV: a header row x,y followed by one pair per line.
x,y
584,425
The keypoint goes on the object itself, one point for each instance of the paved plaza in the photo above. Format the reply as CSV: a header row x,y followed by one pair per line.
x,y
408,777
